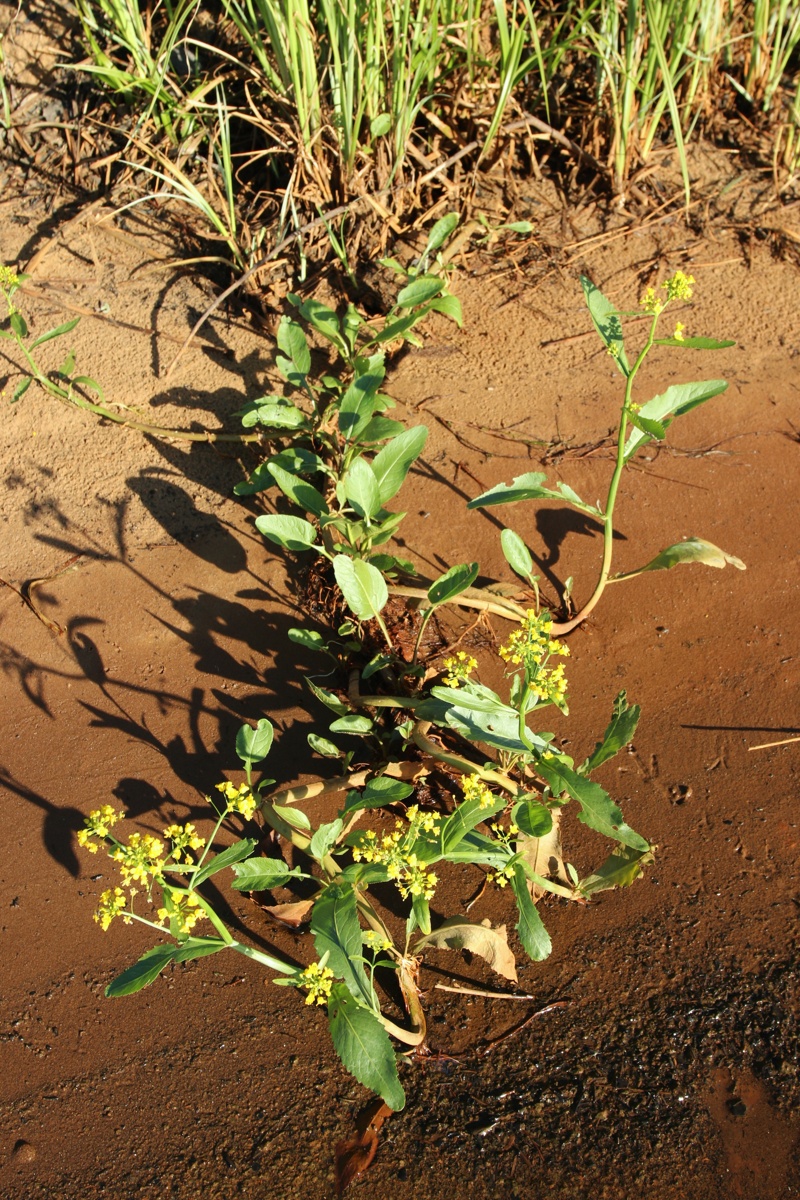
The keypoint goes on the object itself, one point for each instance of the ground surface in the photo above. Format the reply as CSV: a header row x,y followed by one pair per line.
x,y
673,1071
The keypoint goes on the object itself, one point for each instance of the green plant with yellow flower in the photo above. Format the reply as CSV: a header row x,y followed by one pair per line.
x,y
446,770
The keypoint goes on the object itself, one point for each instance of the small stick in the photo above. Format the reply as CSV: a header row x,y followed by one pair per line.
x,y
768,745
518,1028
443,987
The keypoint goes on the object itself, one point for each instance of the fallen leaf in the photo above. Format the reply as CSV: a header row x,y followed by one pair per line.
x,y
353,1157
458,933
291,915
543,855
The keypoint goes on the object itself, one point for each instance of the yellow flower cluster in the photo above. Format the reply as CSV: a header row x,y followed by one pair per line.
x,y
678,334
530,646
394,851
141,859
9,280
97,824
459,667
375,941
505,836
240,799
319,981
184,838
113,901
185,909
474,788
677,287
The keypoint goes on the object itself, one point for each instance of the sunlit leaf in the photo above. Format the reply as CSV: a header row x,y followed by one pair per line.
x,y
692,550
362,586
363,1046
263,874
454,581
517,554
254,744
619,870
675,401
619,733
531,930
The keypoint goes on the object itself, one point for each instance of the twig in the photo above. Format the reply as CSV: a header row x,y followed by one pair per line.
x,y
518,1028
768,745
442,987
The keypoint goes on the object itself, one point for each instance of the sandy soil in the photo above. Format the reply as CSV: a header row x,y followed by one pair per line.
x,y
674,1067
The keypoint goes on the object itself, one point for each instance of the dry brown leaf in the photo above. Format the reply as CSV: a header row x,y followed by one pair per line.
x,y
543,855
458,933
353,1157
291,915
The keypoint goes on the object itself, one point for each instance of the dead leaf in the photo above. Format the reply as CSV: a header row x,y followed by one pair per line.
x,y
292,916
352,1158
458,933
543,855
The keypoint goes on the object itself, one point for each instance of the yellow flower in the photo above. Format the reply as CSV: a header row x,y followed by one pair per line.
x,y
474,788
679,286
319,981
678,334
112,903
651,303
459,667
240,799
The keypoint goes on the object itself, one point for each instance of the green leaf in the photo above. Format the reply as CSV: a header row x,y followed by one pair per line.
x,y
299,490
532,818
531,930
606,321
263,874
353,724
454,581
517,554
379,429
292,341
324,838
18,324
598,810
363,1046
337,933
692,550
21,389
329,699
293,533
654,429
323,746
54,333
528,487
421,913
310,639
619,733
441,232
294,817
448,306
399,328
323,319
296,460
274,412
463,819
423,288
393,463
380,791
361,489
694,343
380,125
362,586
675,401
152,963
359,403
619,870
226,858
254,744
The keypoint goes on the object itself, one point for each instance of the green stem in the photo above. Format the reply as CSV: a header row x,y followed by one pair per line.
x,y
613,488
266,960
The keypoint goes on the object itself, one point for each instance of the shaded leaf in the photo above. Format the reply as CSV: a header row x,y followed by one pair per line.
x,y
322,746
352,723
292,341
454,581
542,855
457,933
354,1156
607,322
529,487
299,490
152,963
619,870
